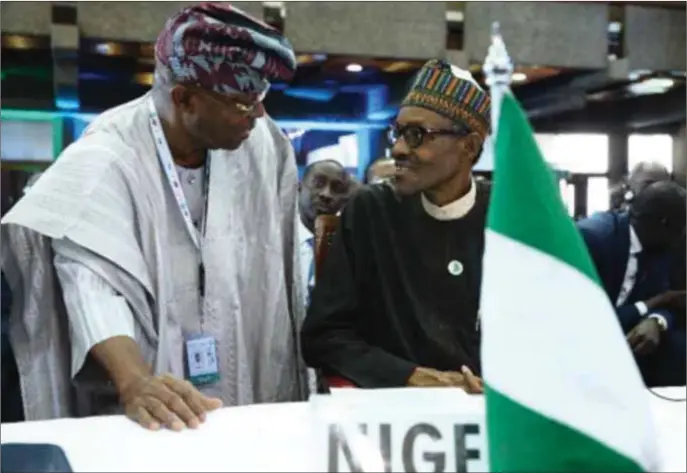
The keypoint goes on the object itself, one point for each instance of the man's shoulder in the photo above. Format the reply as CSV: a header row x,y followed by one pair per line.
x,y
374,196
603,226
114,138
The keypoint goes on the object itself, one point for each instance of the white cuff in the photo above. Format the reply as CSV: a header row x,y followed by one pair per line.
x,y
642,308
662,321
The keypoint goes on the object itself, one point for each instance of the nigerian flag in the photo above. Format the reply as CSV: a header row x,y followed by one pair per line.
x,y
563,392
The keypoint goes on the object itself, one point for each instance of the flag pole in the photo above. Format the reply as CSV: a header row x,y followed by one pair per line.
x,y
498,71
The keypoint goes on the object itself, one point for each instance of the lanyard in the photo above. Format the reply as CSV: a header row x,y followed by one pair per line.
x,y
170,171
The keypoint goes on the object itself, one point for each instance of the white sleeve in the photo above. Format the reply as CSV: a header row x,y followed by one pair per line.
x,y
642,308
95,311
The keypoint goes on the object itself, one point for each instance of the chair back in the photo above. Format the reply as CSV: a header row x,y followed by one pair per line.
x,y
325,228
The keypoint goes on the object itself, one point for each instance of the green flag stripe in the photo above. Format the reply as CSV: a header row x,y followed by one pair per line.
x,y
526,441
525,200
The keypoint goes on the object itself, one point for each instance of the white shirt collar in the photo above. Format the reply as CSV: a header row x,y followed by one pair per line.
x,y
635,244
453,210
303,233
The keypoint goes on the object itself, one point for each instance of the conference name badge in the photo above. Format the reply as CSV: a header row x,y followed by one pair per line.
x,y
202,366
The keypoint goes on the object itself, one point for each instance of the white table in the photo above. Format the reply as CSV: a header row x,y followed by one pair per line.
x,y
272,437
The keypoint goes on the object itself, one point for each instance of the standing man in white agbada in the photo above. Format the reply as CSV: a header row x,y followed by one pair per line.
x,y
154,265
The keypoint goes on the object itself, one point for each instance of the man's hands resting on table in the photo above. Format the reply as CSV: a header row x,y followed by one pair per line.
x,y
428,377
151,401
155,401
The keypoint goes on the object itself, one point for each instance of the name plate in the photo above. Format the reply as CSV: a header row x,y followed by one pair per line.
x,y
401,430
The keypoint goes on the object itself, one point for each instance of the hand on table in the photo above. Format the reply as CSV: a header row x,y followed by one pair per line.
x,y
166,401
645,337
428,377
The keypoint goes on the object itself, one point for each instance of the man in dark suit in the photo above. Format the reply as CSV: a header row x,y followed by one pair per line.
x,y
642,175
631,252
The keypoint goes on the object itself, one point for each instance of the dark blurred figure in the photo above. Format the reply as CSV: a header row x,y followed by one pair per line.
x,y
642,175
324,190
382,170
631,251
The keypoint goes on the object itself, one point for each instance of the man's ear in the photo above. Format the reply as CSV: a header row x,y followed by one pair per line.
x,y
181,97
473,145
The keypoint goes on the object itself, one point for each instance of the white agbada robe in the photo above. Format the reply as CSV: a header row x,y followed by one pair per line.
x,y
105,216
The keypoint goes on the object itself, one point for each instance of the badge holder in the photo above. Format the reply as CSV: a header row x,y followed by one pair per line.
x,y
202,364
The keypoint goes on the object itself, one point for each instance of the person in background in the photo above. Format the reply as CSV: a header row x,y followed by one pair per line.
x,y
398,301
643,174
171,228
324,190
630,250
382,170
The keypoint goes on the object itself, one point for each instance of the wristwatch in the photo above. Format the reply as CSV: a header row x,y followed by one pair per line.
x,y
662,322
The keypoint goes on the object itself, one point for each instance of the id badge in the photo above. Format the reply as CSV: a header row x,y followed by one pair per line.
x,y
201,360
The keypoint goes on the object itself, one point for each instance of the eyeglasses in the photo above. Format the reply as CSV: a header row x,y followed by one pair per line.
x,y
244,109
414,135
249,110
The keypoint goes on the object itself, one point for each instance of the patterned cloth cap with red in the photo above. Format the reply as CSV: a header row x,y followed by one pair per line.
x,y
220,48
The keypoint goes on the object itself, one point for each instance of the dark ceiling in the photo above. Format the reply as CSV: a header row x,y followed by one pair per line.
x,y
113,73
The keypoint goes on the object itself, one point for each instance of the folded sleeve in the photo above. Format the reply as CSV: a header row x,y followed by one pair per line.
x,y
95,311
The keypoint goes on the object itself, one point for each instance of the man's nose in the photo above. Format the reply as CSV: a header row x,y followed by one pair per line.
x,y
400,150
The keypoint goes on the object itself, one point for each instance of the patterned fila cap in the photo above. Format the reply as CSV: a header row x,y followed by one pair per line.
x,y
223,49
453,93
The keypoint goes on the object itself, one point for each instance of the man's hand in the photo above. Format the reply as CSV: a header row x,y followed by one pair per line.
x,y
155,401
428,377
645,337
666,300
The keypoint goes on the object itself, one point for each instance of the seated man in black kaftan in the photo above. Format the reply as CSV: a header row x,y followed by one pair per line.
x,y
398,300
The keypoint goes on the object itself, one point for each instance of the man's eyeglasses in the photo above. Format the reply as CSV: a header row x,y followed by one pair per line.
x,y
244,109
414,135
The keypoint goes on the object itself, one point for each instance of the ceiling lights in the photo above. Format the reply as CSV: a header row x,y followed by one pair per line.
x,y
353,67
655,85
519,77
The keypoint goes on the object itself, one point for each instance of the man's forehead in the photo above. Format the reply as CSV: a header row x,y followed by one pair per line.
x,y
330,169
421,116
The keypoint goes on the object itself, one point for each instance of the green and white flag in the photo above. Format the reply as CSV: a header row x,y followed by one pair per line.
x,y
563,392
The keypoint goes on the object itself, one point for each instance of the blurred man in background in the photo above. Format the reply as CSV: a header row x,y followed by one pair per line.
x,y
171,228
643,174
631,251
398,300
324,190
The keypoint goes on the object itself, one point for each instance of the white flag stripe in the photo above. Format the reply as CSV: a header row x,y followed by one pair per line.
x,y
526,296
